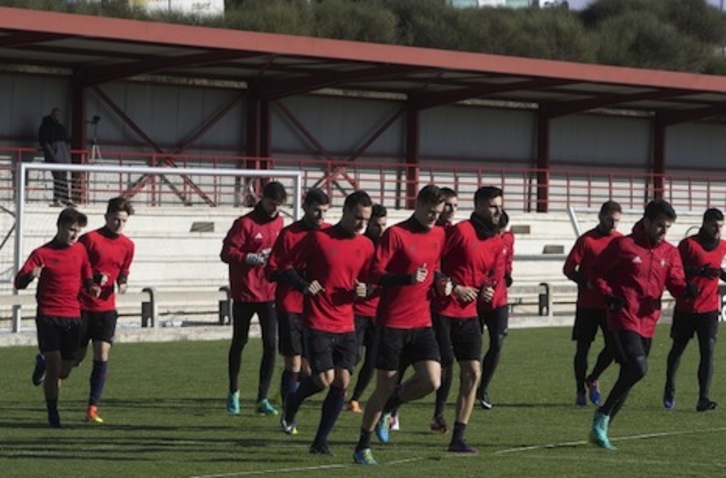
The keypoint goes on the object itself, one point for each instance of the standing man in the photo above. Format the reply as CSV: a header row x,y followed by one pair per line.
x,y
493,316
365,317
631,273
471,255
289,300
53,140
335,261
246,249
404,264
62,269
110,254
702,255
590,309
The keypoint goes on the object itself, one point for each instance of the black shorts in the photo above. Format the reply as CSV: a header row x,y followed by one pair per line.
x,y
496,320
365,331
587,321
329,350
397,346
59,334
457,338
290,326
628,345
98,326
685,324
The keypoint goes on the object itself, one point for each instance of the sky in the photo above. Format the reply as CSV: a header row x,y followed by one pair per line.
x,y
578,4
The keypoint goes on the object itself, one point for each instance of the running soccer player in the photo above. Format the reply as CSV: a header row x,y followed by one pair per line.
x,y
335,260
246,249
590,309
631,273
471,256
365,316
62,269
288,300
702,255
110,253
404,264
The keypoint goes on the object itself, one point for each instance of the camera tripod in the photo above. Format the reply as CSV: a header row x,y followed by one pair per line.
x,y
95,149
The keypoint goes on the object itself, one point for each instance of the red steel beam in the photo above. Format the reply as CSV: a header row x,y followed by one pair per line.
x,y
659,159
543,162
412,156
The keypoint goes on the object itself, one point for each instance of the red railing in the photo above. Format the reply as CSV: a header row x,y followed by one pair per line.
x,y
387,182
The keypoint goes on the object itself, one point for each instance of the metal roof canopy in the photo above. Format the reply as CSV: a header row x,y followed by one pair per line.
x,y
100,50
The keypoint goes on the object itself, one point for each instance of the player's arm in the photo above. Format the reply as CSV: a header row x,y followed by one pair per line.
x,y
572,263
378,274
605,263
297,259
676,279
234,247
87,276
509,265
123,276
31,270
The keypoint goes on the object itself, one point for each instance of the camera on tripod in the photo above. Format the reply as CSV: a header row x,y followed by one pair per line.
x,y
95,120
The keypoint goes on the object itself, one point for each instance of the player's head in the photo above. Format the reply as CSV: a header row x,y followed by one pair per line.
x,y
488,204
273,197
357,211
609,217
712,224
451,205
659,216
118,211
379,218
69,224
55,114
503,221
315,205
429,204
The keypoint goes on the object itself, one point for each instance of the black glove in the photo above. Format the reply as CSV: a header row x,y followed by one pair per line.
x,y
706,271
692,290
614,303
508,280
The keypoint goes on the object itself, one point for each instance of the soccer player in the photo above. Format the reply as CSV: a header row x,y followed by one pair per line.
x,y
493,315
246,249
110,253
62,269
404,264
365,315
289,301
590,309
631,273
471,256
702,255
335,260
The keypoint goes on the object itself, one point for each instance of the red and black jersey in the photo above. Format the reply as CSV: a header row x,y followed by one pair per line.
x,y
579,262
110,254
336,260
470,260
404,248
634,269
66,270
287,298
250,234
702,268
504,269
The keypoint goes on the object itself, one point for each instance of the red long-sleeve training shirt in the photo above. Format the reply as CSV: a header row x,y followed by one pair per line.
x,y
250,234
336,260
580,260
66,270
504,268
403,248
110,254
695,257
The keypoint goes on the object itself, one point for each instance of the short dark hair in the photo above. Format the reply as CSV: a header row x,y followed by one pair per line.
x,y
503,221
610,207
316,196
379,211
119,204
712,214
430,195
448,193
358,198
276,191
485,193
659,207
70,216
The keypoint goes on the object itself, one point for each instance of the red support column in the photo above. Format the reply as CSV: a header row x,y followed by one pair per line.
x,y
543,162
412,156
258,143
659,138
78,138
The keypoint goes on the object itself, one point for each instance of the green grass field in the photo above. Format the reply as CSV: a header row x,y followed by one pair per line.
x,y
164,407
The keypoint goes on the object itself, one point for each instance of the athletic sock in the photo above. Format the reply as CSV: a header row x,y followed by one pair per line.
x,y
364,440
332,406
98,381
307,388
459,430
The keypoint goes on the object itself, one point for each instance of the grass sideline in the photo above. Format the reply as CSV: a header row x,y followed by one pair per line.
x,y
165,416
